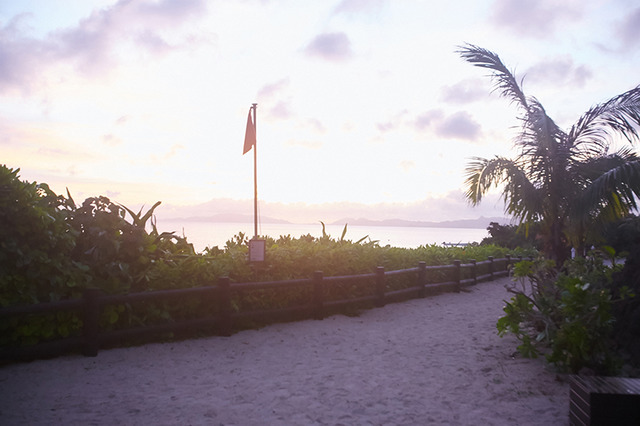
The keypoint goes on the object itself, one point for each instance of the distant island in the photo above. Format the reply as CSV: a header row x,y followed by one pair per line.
x,y
481,222
229,218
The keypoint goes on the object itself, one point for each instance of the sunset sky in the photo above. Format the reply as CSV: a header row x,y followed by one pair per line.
x,y
364,107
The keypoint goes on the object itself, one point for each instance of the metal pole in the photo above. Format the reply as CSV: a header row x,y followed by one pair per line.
x,y
255,174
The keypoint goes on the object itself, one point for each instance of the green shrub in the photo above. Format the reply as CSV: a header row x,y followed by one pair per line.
x,y
36,243
567,315
512,236
53,249
36,262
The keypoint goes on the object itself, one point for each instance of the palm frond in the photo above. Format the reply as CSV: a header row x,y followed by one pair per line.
x,y
503,79
619,115
482,174
612,187
521,197
543,151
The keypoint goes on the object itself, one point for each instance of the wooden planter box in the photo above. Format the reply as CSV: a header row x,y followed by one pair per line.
x,y
607,401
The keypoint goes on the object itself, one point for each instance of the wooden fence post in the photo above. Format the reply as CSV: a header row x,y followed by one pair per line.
x,y
91,321
224,306
422,278
456,274
491,268
380,286
474,271
318,295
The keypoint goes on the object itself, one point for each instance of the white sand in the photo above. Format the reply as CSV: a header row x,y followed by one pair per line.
x,y
427,361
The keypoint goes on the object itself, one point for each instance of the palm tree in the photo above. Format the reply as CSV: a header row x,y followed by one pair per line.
x,y
570,182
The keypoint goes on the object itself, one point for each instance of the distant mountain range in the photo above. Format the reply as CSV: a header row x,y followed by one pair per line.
x,y
481,222
229,218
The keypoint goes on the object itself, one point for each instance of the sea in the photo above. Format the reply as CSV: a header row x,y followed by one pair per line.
x,y
211,234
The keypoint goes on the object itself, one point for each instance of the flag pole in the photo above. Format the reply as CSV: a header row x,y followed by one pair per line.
x,y
255,174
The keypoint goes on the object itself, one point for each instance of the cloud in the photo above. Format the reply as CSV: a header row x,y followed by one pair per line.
x,y
272,94
460,126
534,18
354,7
559,72
331,47
20,56
152,43
628,29
90,45
425,120
280,110
393,123
272,90
91,42
464,92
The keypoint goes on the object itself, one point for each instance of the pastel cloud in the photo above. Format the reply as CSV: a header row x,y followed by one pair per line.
x,y
357,6
629,29
534,18
331,47
392,123
91,45
271,90
427,119
464,92
18,55
459,125
281,110
560,72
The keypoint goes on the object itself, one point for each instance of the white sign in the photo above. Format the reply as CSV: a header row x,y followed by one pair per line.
x,y
256,250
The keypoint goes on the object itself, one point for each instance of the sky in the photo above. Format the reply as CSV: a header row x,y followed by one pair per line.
x,y
364,107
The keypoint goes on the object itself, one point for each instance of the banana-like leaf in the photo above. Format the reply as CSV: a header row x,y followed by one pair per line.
x,y
344,232
324,233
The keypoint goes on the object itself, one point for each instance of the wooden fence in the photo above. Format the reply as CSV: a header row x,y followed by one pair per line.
x,y
225,316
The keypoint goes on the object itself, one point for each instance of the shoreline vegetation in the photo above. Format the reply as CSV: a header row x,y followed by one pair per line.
x,y
55,249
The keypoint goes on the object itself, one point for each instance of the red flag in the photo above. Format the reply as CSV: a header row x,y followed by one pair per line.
x,y
250,135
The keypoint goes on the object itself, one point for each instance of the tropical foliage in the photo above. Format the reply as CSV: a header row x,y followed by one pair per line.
x,y
36,243
569,316
624,238
53,249
511,236
570,182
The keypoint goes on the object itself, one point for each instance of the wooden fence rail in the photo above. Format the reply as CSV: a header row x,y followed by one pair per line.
x,y
223,314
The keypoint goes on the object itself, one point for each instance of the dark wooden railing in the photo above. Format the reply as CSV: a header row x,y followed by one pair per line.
x,y
223,317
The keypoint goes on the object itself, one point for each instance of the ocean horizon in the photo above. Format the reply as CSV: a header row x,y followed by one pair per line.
x,y
204,234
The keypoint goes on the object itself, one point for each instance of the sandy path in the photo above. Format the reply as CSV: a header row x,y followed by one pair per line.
x,y
428,361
